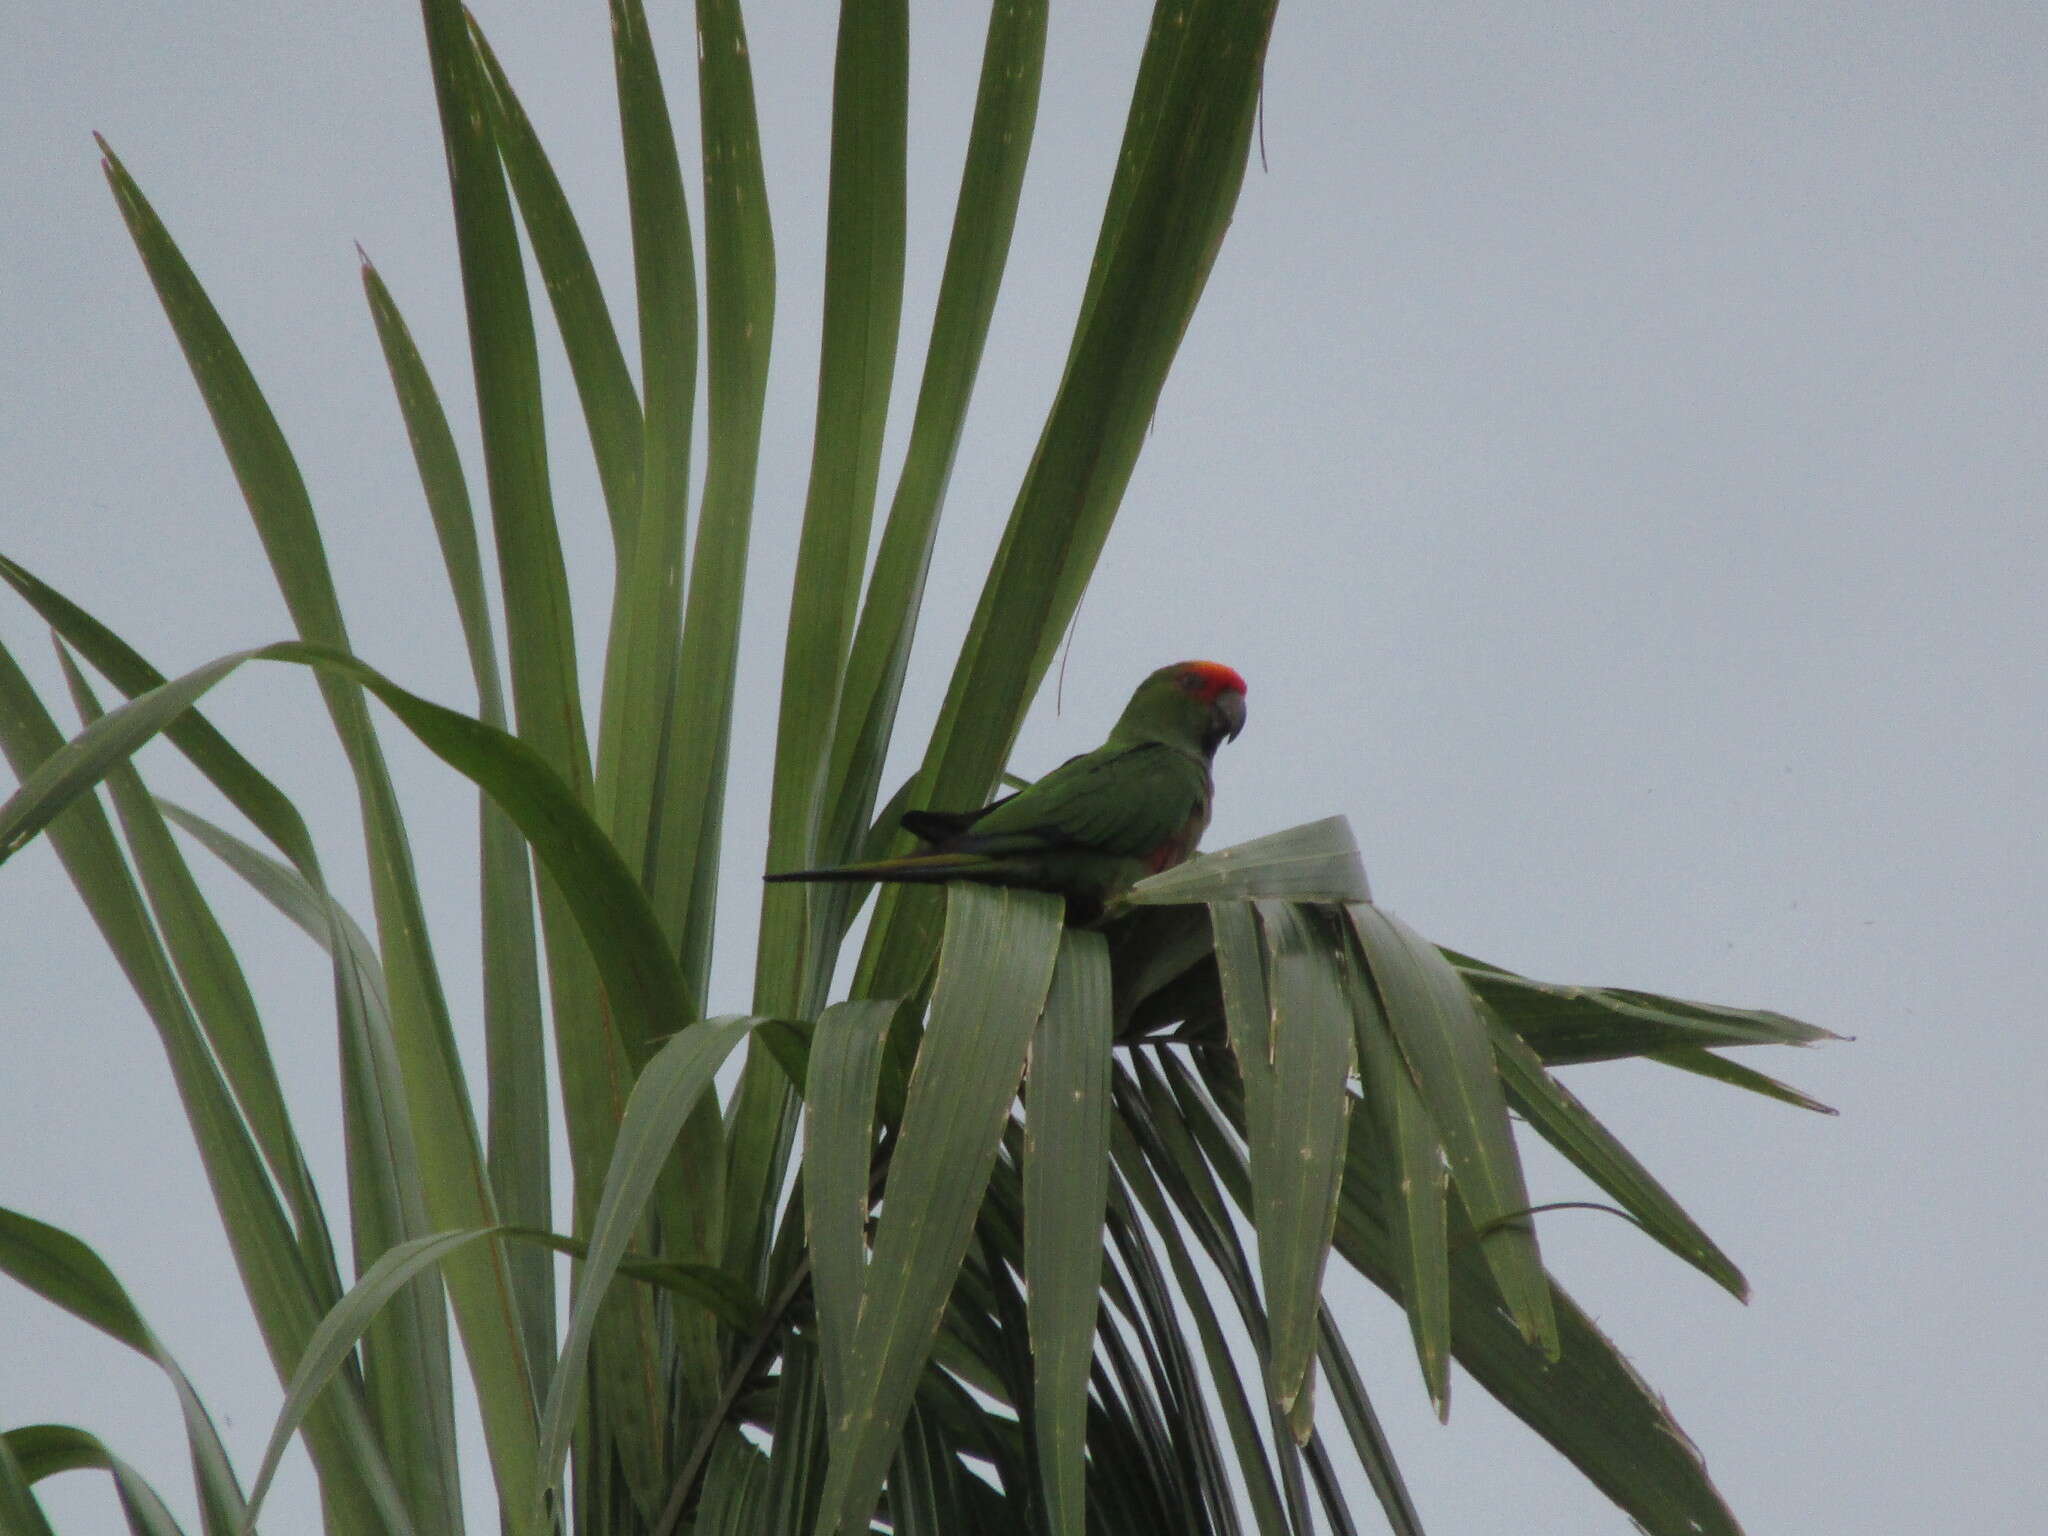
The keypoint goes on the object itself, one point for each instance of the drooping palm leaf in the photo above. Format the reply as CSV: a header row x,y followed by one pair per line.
x,y
1066,1185
286,1300
64,1271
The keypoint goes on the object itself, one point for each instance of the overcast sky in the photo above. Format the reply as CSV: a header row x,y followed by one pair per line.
x,y
1611,446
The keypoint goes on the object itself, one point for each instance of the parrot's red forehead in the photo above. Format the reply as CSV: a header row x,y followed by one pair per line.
x,y
1215,678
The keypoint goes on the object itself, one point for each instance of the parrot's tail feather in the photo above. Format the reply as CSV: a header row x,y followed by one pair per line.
x,y
926,868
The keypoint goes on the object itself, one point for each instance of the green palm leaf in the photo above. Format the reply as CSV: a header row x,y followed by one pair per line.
x,y
1066,1185
64,1271
993,976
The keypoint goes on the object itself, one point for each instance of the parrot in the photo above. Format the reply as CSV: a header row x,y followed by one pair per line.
x,y
1098,823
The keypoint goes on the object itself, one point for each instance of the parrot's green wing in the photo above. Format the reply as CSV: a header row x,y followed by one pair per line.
x,y
1125,801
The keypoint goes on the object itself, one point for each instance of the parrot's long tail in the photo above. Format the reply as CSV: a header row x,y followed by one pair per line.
x,y
917,868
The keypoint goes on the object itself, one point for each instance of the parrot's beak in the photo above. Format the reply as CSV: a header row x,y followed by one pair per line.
x,y
1230,712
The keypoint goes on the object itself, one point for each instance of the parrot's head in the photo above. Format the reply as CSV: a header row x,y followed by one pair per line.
x,y
1193,704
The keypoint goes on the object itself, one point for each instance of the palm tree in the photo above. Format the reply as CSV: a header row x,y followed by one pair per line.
x,y
969,1243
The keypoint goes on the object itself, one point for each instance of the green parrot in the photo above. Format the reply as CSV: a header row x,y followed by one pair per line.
x,y
1098,823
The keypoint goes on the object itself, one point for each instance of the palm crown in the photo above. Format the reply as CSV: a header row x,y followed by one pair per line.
x,y
868,1275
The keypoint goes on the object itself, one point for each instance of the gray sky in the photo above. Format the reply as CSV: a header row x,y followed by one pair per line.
x,y
1610,446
